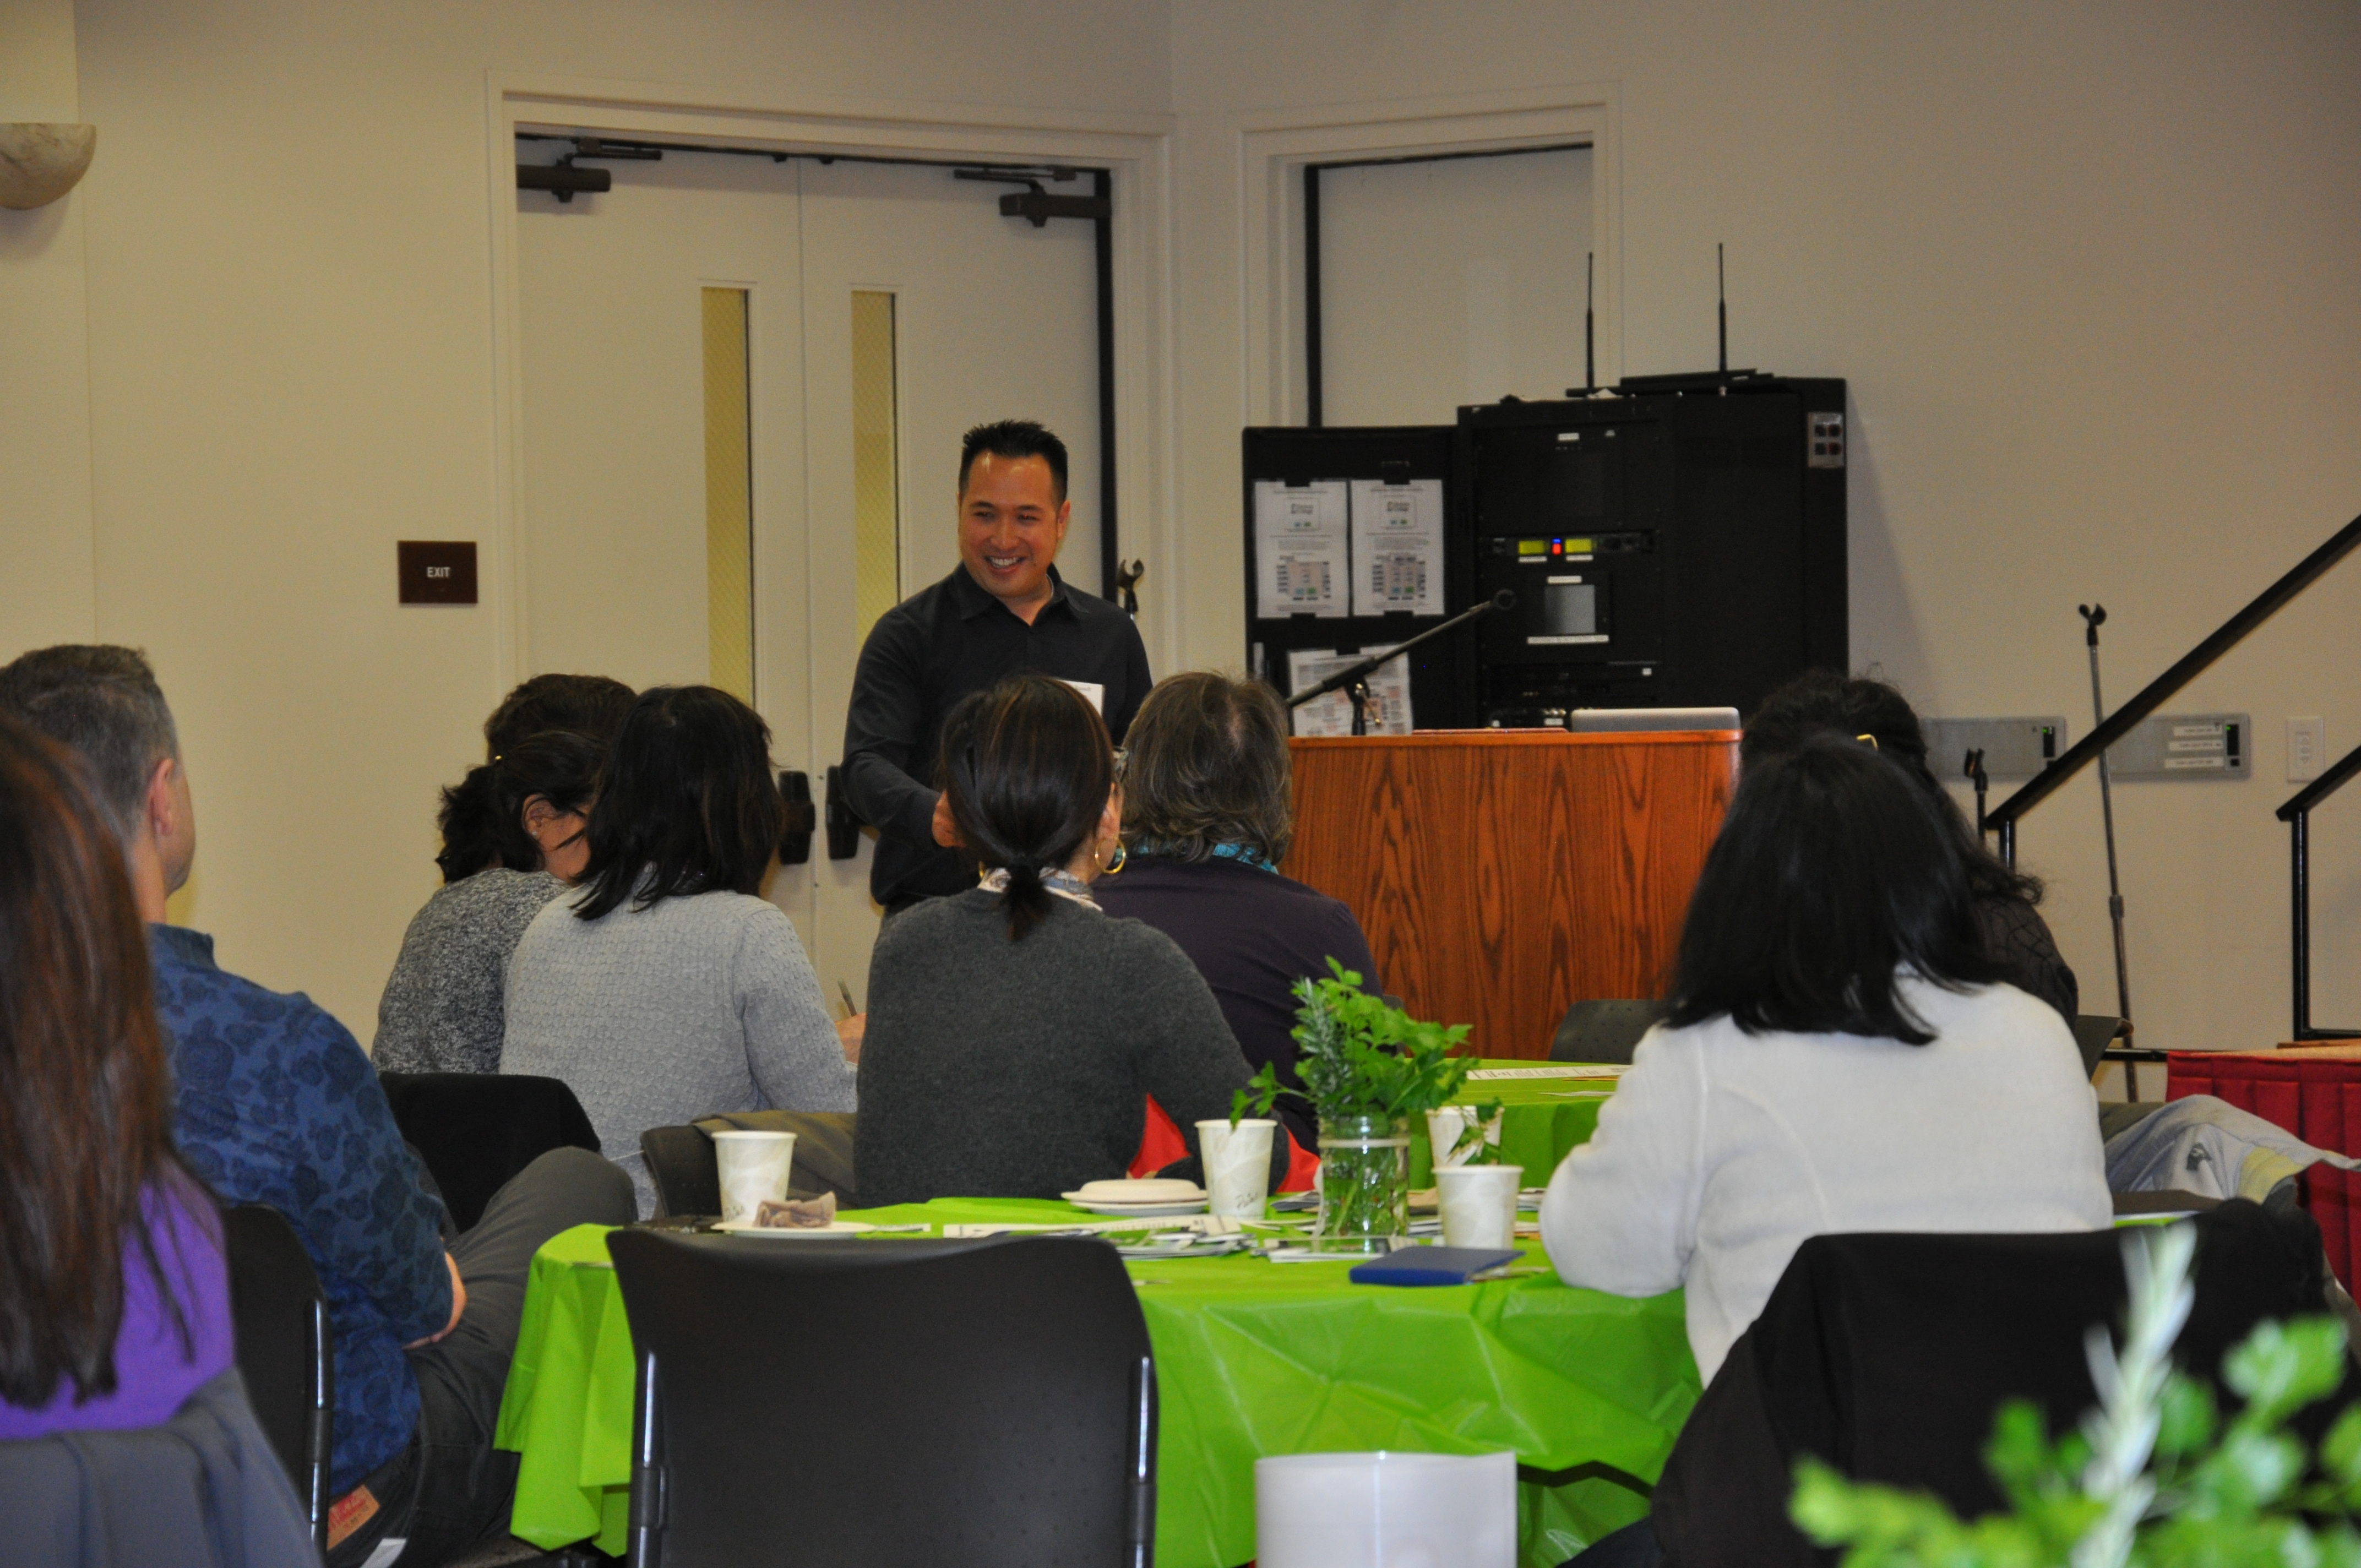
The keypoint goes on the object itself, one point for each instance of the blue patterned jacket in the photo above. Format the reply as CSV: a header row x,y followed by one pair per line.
x,y
278,1106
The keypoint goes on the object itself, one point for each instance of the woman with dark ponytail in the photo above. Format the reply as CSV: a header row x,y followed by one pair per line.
x,y
1015,1030
515,837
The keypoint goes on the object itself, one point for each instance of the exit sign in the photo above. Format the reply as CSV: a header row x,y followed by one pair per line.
x,y
436,571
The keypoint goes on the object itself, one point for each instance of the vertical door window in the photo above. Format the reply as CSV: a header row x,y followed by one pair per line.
x,y
729,495
876,484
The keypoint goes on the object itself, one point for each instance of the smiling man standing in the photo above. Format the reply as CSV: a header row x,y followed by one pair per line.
x,y
1005,608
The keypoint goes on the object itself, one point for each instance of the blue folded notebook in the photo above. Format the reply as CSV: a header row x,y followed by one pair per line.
x,y
1433,1265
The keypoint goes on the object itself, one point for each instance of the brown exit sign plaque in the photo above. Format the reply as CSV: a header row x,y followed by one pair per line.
x,y
437,571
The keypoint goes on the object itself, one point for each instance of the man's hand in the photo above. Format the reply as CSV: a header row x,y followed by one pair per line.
x,y
459,1305
946,833
848,1034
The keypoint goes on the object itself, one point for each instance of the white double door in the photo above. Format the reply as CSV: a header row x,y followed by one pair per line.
x,y
994,319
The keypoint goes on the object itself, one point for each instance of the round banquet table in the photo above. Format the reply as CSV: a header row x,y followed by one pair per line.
x,y
1253,1359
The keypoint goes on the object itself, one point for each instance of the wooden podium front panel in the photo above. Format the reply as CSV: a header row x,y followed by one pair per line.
x,y
1503,876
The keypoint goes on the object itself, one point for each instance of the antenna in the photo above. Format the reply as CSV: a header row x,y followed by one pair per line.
x,y
1589,292
1721,303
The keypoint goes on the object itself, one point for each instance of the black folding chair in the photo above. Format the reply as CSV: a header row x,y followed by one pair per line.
x,y
475,1130
882,1402
1604,1031
286,1351
1884,1356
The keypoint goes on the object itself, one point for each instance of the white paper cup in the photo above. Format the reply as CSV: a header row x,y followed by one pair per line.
x,y
1478,1204
755,1167
1386,1510
1447,1126
1237,1165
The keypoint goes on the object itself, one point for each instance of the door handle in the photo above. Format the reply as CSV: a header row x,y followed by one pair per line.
x,y
844,823
795,841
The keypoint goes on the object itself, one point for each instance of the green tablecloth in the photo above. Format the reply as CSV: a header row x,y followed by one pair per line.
x,y
1253,1359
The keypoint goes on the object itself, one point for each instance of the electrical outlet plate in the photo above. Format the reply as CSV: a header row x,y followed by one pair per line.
x,y
2013,748
2307,749
2179,746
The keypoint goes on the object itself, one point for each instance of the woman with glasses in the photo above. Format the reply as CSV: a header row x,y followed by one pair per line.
x,y
1208,813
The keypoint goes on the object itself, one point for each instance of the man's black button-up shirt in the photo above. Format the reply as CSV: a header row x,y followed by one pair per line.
x,y
925,654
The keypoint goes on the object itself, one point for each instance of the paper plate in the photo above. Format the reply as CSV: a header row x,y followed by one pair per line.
x,y
1149,1190
836,1228
1143,1210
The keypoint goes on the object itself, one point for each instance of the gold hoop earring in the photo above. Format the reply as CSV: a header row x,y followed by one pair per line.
x,y
1121,858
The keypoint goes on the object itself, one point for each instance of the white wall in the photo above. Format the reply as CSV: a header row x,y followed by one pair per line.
x,y
46,586
2088,270
291,368
2089,273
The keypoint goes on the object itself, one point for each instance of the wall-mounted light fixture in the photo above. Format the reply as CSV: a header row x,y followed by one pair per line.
x,y
41,163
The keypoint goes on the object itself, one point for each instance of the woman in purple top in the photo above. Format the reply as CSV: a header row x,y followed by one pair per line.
x,y
113,1294
1208,813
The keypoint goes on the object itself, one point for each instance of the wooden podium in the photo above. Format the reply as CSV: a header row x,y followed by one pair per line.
x,y
1503,876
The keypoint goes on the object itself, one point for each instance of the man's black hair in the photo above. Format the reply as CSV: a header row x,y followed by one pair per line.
x,y
1013,438
1832,874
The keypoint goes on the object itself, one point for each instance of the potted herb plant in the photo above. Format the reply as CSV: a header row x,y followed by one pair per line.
x,y
1371,1072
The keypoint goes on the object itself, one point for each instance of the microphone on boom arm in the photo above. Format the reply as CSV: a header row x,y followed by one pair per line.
x,y
1355,676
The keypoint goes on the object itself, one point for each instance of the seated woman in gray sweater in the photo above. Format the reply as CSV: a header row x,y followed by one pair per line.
x,y
514,836
1015,1030
667,990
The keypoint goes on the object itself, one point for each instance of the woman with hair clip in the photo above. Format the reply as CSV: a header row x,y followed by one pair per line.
x,y
1015,1030
113,1292
1822,702
667,988
515,833
1841,1054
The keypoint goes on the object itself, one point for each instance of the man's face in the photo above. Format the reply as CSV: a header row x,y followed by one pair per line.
x,y
1011,524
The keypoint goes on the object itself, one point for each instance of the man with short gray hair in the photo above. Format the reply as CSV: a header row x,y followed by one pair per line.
x,y
277,1104
102,703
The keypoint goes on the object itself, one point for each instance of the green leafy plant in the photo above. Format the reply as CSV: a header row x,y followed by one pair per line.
x,y
1261,1093
2216,1496
1360,1057
1480,1148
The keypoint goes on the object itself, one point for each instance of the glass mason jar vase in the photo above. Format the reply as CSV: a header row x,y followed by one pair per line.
x,y
1364,1184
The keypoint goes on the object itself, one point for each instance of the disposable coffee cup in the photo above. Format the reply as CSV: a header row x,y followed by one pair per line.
x,y
1448,1125
1237,1165
754,1169
1478,1204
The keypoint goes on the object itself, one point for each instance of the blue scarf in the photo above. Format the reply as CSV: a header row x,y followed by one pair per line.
x,y
1245,854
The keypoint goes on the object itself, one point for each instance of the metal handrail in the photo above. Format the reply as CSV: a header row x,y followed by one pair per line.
x,y
2160,690
2297,815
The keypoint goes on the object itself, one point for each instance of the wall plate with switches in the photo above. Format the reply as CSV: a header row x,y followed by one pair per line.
x,y
2182,747
2307,749
2013,748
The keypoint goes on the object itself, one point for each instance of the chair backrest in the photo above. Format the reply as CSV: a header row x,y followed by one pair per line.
x,y
477,1130
1603,1030
681,1164
2092,1033
1886,1356
286,1351
887,1402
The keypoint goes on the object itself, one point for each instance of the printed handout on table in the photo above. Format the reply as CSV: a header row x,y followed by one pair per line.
x,y
1333,714
1300,550
1398,547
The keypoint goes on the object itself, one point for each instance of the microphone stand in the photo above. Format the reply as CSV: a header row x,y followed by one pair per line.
x,y
1355,677
2094,616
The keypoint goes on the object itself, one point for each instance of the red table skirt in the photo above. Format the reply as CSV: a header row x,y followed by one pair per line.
x,y
2313,1094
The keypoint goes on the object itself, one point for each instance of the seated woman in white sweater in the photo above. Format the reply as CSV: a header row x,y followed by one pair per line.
x,y
1839,1056
666,988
